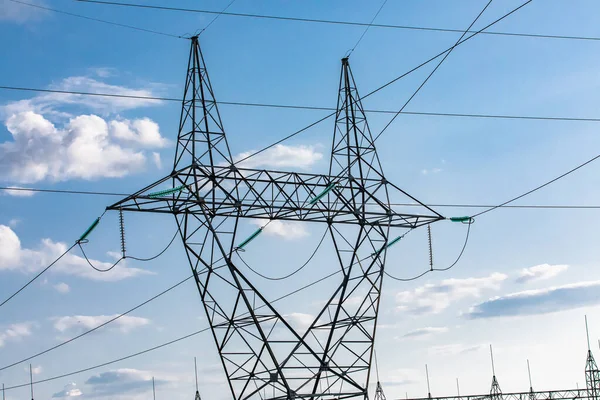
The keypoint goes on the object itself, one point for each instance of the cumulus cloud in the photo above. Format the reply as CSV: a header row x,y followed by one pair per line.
x,y
14,222
87,147
77,323
157,160
69,390
122,381
56,103
144,132
62,288
282,156
434,298
540,272
15,332
541,301
399,377
283,229
17,191
300,321
423,333
14,257
454,349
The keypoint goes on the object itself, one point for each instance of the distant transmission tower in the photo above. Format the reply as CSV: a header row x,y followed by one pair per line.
x,y
196,373
495,391
379,395
210,196
592,375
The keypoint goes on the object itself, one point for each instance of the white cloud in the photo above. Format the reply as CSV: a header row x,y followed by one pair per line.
x,y
541,301
55,103
14,257
122,381
433,298
104,72
540,272
62,288
399,377
431,171
282,156
14,222
18,193
15,332
21,13
144,132
36,370
85,148
124,324
157,160
454,349
10,248
423,333
69,390
300,321
284,229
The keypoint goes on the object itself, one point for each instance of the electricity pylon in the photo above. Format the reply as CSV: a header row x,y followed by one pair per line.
x,y
495,391
592,374
210,195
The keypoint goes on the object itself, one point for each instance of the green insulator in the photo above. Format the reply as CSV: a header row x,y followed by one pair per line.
x,y
90,229
460,219
250,238
166,192
323,193
388,245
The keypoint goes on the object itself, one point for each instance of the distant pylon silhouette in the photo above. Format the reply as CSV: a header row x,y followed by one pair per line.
x,y
592,375
495,391
379,395
531,393
196,372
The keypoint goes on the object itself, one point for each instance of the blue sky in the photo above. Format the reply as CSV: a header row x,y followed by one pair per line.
x,y
524,284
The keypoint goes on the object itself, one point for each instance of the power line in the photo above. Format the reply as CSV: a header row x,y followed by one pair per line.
x,y
449,205
164,344
340,22
218,15
280,278
389,82
97,19
538,187
139,353
367,28
310,108
37,276
435,69
98,326
462,251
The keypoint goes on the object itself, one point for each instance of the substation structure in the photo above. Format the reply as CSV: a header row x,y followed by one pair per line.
x,y
591,391
210,196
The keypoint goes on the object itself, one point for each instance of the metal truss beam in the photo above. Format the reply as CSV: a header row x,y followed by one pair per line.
x,y
250,193
547,395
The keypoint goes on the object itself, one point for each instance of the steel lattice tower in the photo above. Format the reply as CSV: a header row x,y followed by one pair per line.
x,y
379,395
210,196
495,391
592,375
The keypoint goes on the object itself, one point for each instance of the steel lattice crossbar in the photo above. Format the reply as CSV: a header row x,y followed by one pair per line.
x,y
251,193
552,394
262,354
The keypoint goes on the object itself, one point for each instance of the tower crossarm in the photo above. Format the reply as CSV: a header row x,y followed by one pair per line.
x,y
270,195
